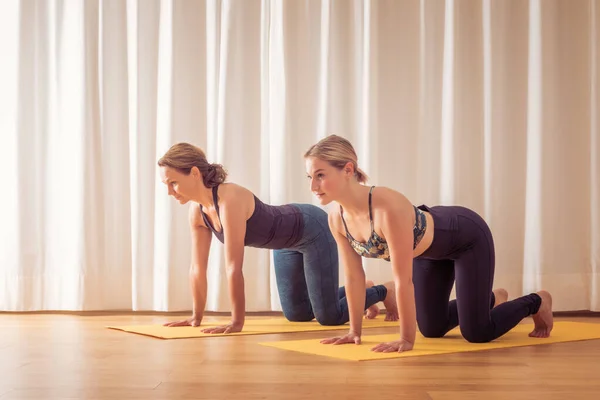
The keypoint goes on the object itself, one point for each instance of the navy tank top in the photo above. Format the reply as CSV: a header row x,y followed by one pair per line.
x,y
269,227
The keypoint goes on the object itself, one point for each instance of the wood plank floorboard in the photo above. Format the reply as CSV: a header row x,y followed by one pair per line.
x,y
65,356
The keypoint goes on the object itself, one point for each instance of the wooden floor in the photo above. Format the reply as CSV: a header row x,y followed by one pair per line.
x,y
46,356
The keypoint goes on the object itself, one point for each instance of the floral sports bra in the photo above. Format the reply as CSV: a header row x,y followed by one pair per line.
x,y
376,246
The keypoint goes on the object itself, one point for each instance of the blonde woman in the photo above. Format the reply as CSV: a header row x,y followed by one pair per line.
x,y
429,248
305,253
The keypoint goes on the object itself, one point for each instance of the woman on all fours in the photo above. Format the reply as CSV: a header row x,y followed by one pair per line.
x,y
305,256
428,248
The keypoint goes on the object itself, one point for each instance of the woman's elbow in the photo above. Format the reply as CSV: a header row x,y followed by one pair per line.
x,y
234,270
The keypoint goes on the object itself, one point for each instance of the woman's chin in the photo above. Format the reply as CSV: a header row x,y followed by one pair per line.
x,y
323,200
182,200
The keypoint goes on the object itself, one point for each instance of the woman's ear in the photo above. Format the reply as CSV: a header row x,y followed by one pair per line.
x,y
349,169
195,172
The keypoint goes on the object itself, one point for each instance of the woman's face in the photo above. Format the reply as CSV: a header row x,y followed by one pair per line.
x,y
327,182
181,186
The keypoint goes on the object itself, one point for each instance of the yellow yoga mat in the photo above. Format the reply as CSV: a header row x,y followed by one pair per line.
x,y
251,327
453,342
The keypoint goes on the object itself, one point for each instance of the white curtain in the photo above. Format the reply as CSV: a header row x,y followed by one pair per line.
x,y
488,104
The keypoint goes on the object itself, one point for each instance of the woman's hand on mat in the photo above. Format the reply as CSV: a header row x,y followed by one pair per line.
x,y
389,347
193,321
229,328
350,337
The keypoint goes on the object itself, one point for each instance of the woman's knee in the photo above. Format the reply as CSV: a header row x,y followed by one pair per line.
x,y
431,327
298,315
475,334
329,320
432,330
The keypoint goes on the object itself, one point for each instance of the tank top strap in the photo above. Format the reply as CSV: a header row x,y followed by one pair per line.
x,y
208,223
216,198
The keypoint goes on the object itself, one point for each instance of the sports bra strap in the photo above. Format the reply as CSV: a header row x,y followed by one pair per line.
x,y
343,220
370,213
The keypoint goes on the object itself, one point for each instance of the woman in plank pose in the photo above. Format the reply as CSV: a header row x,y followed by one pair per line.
x,y
305,253
429,248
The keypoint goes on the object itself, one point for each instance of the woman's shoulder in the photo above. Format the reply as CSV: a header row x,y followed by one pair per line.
x,y
334,218
234,195
195,218
386,199
233,191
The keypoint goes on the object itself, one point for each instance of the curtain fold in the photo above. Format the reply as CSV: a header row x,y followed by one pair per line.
x,y
489,105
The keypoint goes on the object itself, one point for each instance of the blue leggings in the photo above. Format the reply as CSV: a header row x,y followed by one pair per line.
x,y
463,251
307,275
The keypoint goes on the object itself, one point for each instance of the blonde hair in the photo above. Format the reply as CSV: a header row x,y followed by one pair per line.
x,y
184,156
337,151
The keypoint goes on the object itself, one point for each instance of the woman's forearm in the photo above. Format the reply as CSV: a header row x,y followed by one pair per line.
x,y
405,297
199,288
237,295
355,295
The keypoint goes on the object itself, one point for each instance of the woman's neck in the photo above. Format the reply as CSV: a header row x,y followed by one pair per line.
x,y
355,200
204,197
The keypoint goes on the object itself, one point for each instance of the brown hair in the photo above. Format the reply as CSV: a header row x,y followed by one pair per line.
x,y
184,156
337,151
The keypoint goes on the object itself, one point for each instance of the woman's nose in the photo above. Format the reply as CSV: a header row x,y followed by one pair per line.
x,y
314,185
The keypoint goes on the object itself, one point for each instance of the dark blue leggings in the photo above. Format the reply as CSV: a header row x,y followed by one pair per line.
x,y
307,275
463,252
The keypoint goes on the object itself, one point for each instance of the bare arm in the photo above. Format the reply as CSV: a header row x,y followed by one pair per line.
x,y
355,283
396,225
233,219
201,240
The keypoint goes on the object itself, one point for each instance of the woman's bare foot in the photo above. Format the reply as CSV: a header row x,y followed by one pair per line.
x,y
391,308
373,311
543,319
501,296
